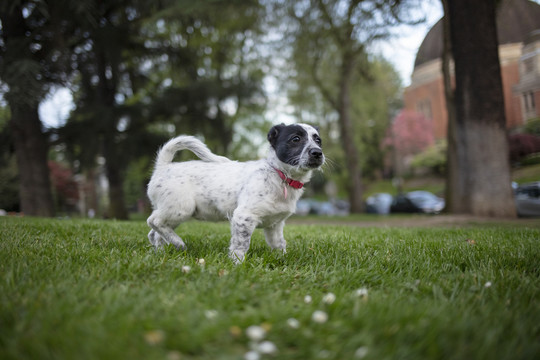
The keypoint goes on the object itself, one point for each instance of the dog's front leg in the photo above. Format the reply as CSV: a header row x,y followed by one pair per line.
x,y
274,236
242,226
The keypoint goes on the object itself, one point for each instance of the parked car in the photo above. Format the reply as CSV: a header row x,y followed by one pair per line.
x,y
417,202
310,206
303,207
527,197
379,203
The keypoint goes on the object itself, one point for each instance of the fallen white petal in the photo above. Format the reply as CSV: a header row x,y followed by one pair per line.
x,y
319,317
255,333
267,348
329,298
362,292
252,355
293,323
211,314
361,352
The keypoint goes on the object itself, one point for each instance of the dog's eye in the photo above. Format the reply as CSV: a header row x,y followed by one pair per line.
x,y
318,140
295,139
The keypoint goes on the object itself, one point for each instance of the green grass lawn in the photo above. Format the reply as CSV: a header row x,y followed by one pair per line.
x,y
76,289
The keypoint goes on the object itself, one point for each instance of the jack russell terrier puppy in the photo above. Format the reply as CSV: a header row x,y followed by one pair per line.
x,y
251,194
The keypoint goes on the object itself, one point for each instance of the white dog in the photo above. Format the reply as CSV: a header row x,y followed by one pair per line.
x,y
251,194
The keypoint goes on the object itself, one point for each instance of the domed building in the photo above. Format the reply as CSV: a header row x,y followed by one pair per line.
x,y
518,29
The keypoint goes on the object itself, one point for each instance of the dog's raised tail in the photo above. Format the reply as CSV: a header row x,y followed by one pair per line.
x,y
184,142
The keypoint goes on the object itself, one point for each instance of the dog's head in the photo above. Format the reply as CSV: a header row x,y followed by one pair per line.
x,y
297,145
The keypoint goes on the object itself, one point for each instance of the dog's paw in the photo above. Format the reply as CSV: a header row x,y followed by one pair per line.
x,y
237,256
158,249
178,244
180,247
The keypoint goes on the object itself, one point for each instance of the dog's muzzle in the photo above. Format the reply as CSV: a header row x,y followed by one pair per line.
x,y
316,158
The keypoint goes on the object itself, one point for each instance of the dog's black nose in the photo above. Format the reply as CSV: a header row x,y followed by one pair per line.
x,y
316,153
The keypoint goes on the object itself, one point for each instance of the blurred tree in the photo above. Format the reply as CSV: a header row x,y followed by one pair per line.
x,y
432,159
211,76
330,45
146,71
532,127
9,176
452,175
376,100
479,181
104,121
136,180
522,145
410,133
65,188
30,63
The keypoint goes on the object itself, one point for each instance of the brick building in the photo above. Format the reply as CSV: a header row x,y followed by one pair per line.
x,y
518,29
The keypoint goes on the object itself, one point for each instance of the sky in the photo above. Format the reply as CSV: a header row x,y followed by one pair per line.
x,y
400,51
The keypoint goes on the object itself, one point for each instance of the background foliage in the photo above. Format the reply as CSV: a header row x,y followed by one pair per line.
x,y
141,72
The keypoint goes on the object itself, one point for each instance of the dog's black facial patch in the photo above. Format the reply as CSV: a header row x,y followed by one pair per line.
x,y
289,142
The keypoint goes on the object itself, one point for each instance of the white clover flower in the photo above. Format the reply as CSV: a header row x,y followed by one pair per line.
x,y
186,269
211,314
362,292
488,284
293,323
361,352
307,299
252,355
201,262
267,348
319,317
255,333
329,298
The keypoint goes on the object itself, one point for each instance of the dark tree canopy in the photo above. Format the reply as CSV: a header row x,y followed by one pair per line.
x,y
31,62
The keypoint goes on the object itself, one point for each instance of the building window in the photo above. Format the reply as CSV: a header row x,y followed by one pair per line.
x,y
424,108
528,65
528,100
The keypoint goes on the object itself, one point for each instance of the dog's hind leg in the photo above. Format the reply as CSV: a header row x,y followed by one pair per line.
x,y
164,230
155,239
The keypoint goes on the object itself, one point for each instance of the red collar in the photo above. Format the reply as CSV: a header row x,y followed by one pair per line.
x,y
292,183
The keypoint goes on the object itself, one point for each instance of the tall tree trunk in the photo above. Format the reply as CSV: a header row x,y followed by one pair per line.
x,y
91,193
31,153
347,131
453,184
24,95
114,167
117,208
483,168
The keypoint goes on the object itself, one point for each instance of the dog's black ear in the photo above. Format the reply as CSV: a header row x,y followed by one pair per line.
x,y
274,133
